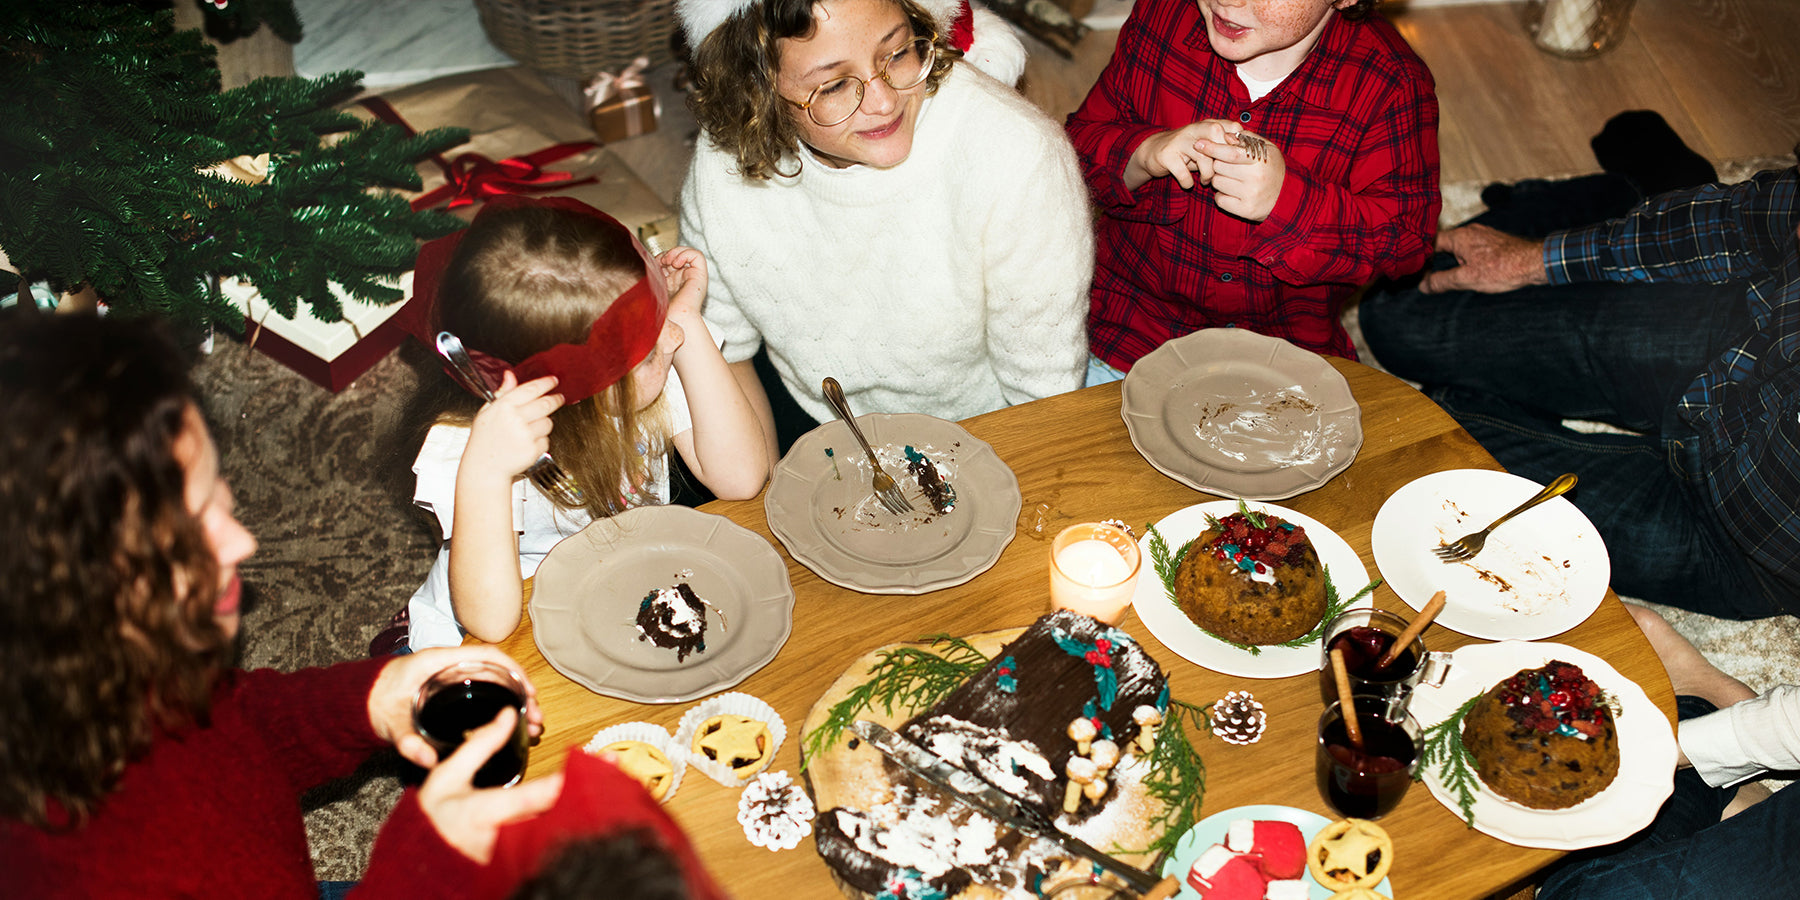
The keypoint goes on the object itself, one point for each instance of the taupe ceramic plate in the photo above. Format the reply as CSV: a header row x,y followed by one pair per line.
x,y
585,599
820,506
1239,414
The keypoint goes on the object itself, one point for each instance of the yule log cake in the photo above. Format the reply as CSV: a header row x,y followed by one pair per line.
x,y
1064,715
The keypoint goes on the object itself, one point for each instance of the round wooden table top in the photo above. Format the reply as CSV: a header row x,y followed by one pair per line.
x,y
1075,462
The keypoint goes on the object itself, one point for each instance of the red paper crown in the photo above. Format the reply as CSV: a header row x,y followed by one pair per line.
x,y
619,339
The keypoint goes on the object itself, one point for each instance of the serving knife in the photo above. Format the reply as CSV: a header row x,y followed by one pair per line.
x,y
975,792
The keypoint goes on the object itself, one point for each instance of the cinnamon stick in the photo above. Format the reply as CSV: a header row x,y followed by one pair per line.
x,y
1431,610
1346,705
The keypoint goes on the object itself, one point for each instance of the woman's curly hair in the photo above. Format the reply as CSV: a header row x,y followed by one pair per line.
x,y
106,615
735,68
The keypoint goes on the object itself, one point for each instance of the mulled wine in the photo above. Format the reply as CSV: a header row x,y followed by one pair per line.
x,y
460,702
1369,782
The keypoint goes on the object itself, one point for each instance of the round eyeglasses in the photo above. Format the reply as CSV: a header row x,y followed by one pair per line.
x,y
835,101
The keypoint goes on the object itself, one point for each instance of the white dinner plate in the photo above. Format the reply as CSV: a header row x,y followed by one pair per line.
x,y
1646,751
585,598
1541,574
1159,613
1212,830
1232,412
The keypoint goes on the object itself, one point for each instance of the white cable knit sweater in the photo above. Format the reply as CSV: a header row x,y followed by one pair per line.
x,y
952,284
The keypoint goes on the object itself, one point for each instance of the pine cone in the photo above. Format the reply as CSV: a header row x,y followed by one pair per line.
x,y
775,812
1239,718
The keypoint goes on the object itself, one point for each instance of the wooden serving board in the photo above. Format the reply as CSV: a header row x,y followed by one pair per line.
x,y
858,779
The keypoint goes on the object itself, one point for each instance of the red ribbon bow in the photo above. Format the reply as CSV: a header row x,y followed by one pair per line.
x,y
471,177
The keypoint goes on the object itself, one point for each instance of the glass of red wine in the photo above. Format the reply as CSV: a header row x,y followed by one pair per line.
x,y
1366,782
464,697
1365,635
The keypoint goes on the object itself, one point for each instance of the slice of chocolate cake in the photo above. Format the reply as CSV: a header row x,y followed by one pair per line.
x,y
937,491
673,618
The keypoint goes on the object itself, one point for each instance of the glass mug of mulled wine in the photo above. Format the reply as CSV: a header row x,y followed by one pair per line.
x,y
1365,635
464,697
1366,782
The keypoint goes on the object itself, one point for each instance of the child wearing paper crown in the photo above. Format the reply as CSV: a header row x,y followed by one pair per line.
x,y
577,327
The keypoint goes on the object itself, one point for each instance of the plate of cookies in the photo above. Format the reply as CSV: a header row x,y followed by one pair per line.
x,y
1232,412
1245,851
661,604
965,505
1243,588
1601,754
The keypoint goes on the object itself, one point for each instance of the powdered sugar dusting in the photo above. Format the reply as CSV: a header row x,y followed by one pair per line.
x,y
1268,428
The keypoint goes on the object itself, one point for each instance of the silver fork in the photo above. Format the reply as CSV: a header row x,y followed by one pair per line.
x,y
545,473
1465,547
885,489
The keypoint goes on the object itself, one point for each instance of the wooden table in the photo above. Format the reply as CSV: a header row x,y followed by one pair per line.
x,y
1072,454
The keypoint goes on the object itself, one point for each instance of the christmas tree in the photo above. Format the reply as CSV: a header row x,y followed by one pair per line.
x,y
124,168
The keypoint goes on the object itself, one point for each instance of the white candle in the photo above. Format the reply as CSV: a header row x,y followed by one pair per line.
x,y
1093,571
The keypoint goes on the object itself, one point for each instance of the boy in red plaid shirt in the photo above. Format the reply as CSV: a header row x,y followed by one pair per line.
x,y
1254,161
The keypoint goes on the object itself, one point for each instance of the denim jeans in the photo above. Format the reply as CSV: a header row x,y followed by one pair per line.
x,y
1510,367
1687,852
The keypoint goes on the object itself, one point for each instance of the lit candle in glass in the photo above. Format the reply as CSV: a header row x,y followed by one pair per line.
x,y
1093,570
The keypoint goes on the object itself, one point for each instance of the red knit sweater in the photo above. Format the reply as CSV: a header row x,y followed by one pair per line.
x,y
215,812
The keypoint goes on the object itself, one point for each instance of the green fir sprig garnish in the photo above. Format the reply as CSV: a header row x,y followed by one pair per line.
x,y
902,678
1167,563
1444,749
1177,776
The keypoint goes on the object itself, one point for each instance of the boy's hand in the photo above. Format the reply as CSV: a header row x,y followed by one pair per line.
x,y
1177,154
684,270
1248,170
512,431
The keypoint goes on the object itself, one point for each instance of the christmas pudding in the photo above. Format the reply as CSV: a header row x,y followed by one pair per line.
x,y
1544,738
1061,716
1252,578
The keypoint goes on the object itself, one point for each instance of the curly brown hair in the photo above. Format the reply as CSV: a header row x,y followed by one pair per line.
x,y
529,277
106,619
734,95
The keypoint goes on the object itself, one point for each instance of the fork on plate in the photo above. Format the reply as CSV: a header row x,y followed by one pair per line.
x,y
1465,547
886,490
545,473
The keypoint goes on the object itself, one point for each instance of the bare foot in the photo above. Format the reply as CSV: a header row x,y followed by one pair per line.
x,y
1689,672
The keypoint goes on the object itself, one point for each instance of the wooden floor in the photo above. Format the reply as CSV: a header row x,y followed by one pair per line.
x,y
1724,73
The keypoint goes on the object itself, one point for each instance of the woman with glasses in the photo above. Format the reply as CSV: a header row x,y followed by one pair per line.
x,y
878,210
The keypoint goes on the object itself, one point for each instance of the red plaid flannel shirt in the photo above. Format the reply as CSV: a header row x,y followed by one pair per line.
x,y
1357,125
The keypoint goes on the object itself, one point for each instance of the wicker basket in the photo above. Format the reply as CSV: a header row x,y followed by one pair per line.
x,y
574,39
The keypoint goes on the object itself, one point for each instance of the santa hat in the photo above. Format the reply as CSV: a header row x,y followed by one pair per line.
x,y
984,38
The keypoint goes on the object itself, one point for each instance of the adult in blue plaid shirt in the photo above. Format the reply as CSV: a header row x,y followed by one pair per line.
x,y
1680,321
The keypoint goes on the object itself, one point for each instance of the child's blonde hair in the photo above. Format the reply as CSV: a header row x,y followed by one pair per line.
x,y
526,278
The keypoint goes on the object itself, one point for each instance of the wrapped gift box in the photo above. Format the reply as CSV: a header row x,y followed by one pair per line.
x,y
629,112
331,354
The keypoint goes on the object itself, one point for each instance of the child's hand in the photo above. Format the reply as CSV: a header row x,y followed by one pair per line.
x,y
512,431
1247,172
684,270
1175,153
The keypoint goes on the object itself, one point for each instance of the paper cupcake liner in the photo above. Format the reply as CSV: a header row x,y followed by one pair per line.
x,y
654,735
733,703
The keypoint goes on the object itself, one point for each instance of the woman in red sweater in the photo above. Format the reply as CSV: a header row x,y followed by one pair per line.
x,y
134,761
